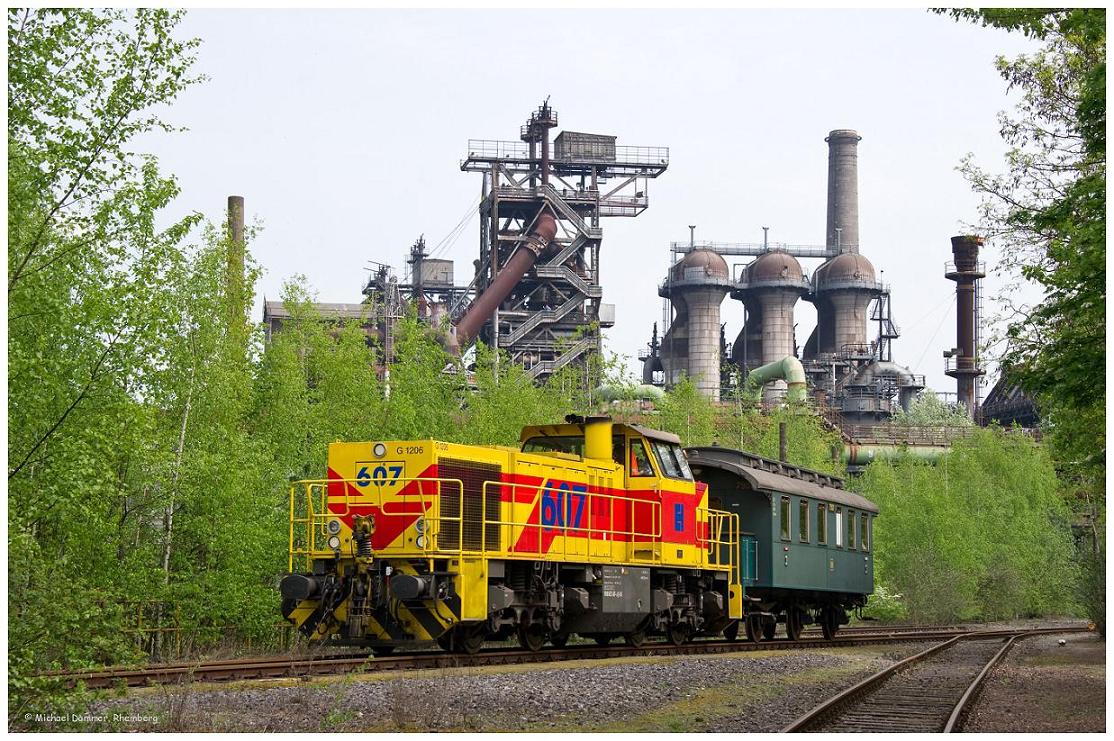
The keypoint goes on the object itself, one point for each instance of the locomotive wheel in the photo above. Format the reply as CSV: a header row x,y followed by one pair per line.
x,y
731,632
754,627
460,641
679,634
634,639
602,640
794,623
531,637
560,640
829,623
768,630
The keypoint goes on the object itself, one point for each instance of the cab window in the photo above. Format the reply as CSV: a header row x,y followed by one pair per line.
x,y
682,461
571,444
639,459
850,529
822,523
839,527
786,510
864,530
672,460
802,522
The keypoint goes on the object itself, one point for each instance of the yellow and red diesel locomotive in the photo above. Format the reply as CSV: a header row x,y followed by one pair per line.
x,y
589,528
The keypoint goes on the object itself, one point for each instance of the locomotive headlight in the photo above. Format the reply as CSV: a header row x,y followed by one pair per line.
x,y
380,450
333,526
420,525
334,542
421,541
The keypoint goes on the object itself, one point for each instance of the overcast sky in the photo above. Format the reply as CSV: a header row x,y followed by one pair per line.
x,y
344,132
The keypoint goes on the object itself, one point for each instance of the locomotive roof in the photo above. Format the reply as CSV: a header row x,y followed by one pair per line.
x,y
578,429
765,474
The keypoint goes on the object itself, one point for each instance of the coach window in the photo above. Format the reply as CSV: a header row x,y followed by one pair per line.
x,y
786,526
864,530
822,523
639,459
802,524
839,527
850,529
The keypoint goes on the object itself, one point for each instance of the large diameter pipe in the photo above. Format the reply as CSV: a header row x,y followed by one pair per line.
x,y
862,455
843,189
788,369
545,229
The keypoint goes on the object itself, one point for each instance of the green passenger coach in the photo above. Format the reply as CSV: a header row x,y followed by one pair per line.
x,y
807,543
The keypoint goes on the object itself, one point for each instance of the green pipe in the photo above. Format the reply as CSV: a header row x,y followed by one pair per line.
x,y
861,455
788,369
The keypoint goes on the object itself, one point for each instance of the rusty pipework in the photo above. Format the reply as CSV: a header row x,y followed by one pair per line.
x,y
540,237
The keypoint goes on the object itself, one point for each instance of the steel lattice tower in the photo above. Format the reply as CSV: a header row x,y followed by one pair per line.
x,y
553,315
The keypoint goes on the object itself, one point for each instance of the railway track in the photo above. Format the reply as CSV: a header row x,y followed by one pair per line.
x,y
930,692
289,667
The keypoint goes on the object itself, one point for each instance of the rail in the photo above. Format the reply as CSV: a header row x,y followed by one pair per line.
x,y
950,269
925,703
291,665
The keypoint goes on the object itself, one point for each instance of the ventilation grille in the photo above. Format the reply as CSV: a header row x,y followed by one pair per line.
x,y
478,506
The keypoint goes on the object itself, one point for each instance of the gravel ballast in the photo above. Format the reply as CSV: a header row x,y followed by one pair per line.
x,y
741,692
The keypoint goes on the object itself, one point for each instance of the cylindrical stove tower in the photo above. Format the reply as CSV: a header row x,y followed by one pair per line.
x,y
843,288
843,190
966,272
696,286
769,289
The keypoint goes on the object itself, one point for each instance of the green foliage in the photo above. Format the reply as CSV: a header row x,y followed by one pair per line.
x,y
982,534
90,324
744,426
687,413
886,605
1048,211
929,410
506,400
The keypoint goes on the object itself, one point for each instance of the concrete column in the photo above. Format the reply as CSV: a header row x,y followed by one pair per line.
x,y
675,343
849,317
777,324
843,189
703,329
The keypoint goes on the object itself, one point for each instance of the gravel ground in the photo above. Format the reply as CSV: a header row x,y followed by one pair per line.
x,y
741,692
1045,687
746,692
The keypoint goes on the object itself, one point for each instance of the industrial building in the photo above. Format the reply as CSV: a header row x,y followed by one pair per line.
x,y
847,358
535,290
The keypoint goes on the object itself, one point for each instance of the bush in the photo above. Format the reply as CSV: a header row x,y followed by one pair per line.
x,y
981,535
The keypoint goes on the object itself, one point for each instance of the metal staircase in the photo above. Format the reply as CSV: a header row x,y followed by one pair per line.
x,y
548,316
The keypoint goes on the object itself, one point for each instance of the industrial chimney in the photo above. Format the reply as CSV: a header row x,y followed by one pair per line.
x,y
843,190
234,266
963,365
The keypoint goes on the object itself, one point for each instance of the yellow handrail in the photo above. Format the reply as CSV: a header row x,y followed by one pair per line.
x,y
316,514
315,494
587,532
